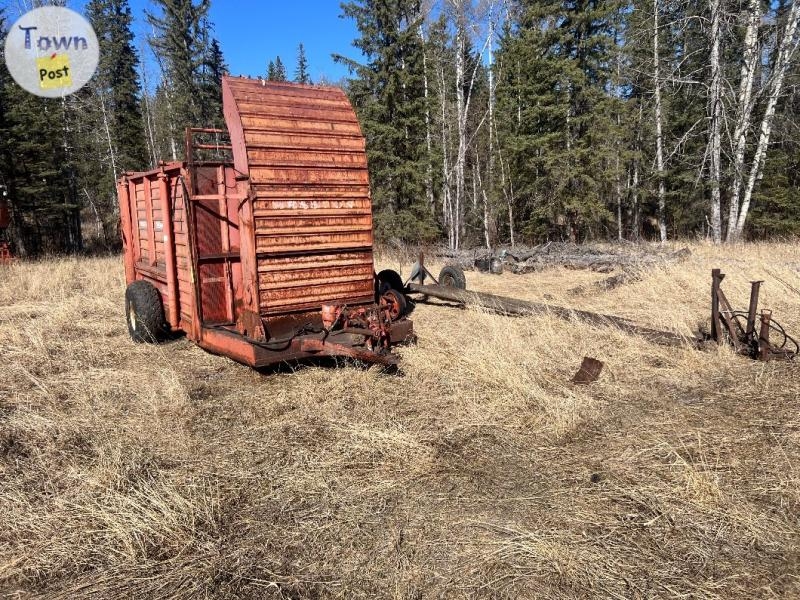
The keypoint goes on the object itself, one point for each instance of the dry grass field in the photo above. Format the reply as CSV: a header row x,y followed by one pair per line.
x,y
136,471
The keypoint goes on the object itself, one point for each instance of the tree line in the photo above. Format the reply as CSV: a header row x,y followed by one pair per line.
x,y
500,121
487,121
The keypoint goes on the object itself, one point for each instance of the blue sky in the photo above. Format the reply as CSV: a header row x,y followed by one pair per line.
x,y
253,32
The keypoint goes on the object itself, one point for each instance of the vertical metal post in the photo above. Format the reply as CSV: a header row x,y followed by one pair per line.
x,y
716,277
151,231
763,338
755,287
129,229
188,148
135,222
167,216
225,224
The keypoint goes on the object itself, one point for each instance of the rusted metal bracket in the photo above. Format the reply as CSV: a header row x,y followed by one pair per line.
x,y
726,325
419,272
325,348
589,371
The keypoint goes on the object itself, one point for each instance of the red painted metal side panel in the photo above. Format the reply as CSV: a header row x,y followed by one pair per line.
x,y
126,225
215,206
156,240
182,252
170,260
304,153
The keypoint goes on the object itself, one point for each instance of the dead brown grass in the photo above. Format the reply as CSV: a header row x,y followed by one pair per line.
x,y
165,472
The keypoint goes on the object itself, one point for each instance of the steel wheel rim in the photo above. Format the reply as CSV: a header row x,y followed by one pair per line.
x,y
132,315
392,305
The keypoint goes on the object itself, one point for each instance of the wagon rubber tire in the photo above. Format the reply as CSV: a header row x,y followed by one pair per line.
x,y
390,280
144,312
453,276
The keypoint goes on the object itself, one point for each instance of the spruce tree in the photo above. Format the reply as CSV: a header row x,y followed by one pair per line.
x,y
214,67
280,70
117,78
556,115
180,43
301,72
276,71
111,128
39,168
42,176
6,163
388,94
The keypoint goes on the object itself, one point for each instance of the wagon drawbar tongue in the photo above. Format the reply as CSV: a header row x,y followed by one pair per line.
x,y
248,250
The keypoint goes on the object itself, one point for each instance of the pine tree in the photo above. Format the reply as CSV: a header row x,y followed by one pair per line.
x,y
271,71
180,43
301,72
280,70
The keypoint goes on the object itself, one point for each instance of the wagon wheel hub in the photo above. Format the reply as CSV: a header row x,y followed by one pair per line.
x,y
393,303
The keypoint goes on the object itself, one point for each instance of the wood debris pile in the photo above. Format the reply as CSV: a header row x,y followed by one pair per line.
x,y
602,259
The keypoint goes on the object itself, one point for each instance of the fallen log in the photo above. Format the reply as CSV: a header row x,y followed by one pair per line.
x,y
603,263
610,283
514,307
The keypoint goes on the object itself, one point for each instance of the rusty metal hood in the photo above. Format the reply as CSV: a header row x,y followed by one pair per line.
x,y
303,151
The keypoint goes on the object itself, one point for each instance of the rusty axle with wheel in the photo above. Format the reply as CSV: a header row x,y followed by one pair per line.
x,y
451,286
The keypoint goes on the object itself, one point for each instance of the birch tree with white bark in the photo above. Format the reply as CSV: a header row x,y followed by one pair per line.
x,y
715,118
785,57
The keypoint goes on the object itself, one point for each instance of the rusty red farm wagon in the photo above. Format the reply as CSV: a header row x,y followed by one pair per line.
x,y
264,254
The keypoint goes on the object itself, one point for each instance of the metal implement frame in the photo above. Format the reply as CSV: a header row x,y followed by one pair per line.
x,y
726,325
248,250
737,328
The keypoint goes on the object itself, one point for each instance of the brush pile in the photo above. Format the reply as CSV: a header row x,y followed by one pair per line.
x,y
599,258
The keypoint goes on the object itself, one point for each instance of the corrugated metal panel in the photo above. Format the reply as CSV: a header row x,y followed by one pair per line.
x,y
305,155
